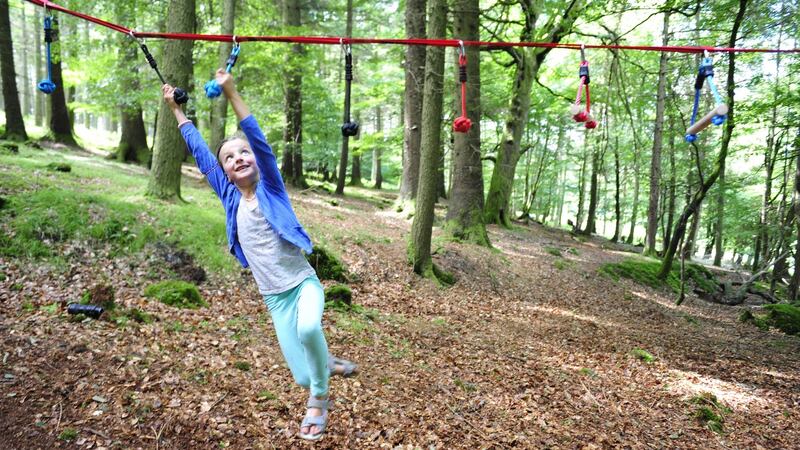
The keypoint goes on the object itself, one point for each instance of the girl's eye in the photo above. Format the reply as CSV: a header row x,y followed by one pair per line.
x,y
245,150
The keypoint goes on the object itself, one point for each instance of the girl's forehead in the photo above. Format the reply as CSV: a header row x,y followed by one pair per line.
x,y
234,144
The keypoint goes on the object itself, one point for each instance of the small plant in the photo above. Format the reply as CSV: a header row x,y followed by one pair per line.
x,y
710,411
555,251
28,306
588,372
561,264
643,355
59,167
266,395
69,434
466,386
50,309
748,317
691,319
176,293
244,366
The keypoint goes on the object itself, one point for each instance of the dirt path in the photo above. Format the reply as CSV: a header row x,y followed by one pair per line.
x,y
527,350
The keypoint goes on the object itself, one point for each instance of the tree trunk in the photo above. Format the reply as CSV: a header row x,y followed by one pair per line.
x,y
719,249
60,124
377,177
26,83
355,171
219,109
414,80
794,284
133,140
465,208
38,97
292,164
15,126
655,159
340,181
617,189
672,185
169,148
421,227
680,228
526,66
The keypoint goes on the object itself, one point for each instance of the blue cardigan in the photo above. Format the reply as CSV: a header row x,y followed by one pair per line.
x,y
270,190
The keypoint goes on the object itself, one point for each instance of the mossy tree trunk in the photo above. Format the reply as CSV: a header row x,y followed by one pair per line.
x,y
292,164
169,148
15,126
412,109
697,199
421,228
465,209
526,66
60,123
133,139
658,133
344,153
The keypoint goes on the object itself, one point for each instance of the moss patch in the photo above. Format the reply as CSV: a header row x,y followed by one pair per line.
x,y
643,355
784,317
710,411
645,271
176,293
339,296
327,265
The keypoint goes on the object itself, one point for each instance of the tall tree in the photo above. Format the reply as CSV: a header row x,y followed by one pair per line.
x,y
421,228
15,126
340,181
38,105
60,121
697,198
526,67
412,105
169,148
377,176
219,109
133,139
655,157
292,162
465,209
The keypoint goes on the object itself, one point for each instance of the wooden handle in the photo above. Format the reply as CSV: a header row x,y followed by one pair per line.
x,y
701,124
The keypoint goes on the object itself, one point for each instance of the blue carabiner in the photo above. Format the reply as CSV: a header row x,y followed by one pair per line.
x,y
212,87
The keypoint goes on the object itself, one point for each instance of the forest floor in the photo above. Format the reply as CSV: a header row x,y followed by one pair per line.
x,y
531,348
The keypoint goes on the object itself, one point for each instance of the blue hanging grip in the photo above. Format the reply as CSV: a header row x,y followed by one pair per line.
x,y
47,86
212,88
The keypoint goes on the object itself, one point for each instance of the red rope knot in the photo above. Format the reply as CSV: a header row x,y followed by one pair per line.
x,y
462,124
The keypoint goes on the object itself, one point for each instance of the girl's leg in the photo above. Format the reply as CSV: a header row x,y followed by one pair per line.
x,y
283,309
310,304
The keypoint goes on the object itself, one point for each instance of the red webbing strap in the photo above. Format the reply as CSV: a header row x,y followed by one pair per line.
x,y
434,42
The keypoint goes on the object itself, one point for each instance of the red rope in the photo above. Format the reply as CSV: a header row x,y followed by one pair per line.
x,y
462,124
433,42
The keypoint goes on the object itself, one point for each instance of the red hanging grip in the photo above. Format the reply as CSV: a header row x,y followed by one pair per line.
x,y
578,113
462,124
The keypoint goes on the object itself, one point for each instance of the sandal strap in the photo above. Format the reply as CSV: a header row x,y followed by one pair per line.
x,y
314,402
319,421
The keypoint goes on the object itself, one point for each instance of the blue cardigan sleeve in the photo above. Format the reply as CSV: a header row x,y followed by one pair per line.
x,y
206,161
265,158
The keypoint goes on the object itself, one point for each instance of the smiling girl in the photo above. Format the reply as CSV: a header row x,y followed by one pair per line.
x,y
265,235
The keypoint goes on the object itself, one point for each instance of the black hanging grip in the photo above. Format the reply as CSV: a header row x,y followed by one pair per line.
x,y
87,310
180,95
462,74
702,74
350,129
583,71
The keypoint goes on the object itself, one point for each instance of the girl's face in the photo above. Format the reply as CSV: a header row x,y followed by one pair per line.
x,y
238,162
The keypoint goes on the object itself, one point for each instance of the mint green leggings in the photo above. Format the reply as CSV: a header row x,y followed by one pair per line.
x,y
297,317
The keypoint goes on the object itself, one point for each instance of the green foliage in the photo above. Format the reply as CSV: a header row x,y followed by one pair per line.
x,y
645,271
465,385
52,308
748,317
244,366
588,372
266,395
555,251
68,434
327,264
643,355
176,293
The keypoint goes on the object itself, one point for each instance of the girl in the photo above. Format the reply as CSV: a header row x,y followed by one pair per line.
x,y
264,234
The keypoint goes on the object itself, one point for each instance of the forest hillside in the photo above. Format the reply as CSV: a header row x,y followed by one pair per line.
x,y
537,344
